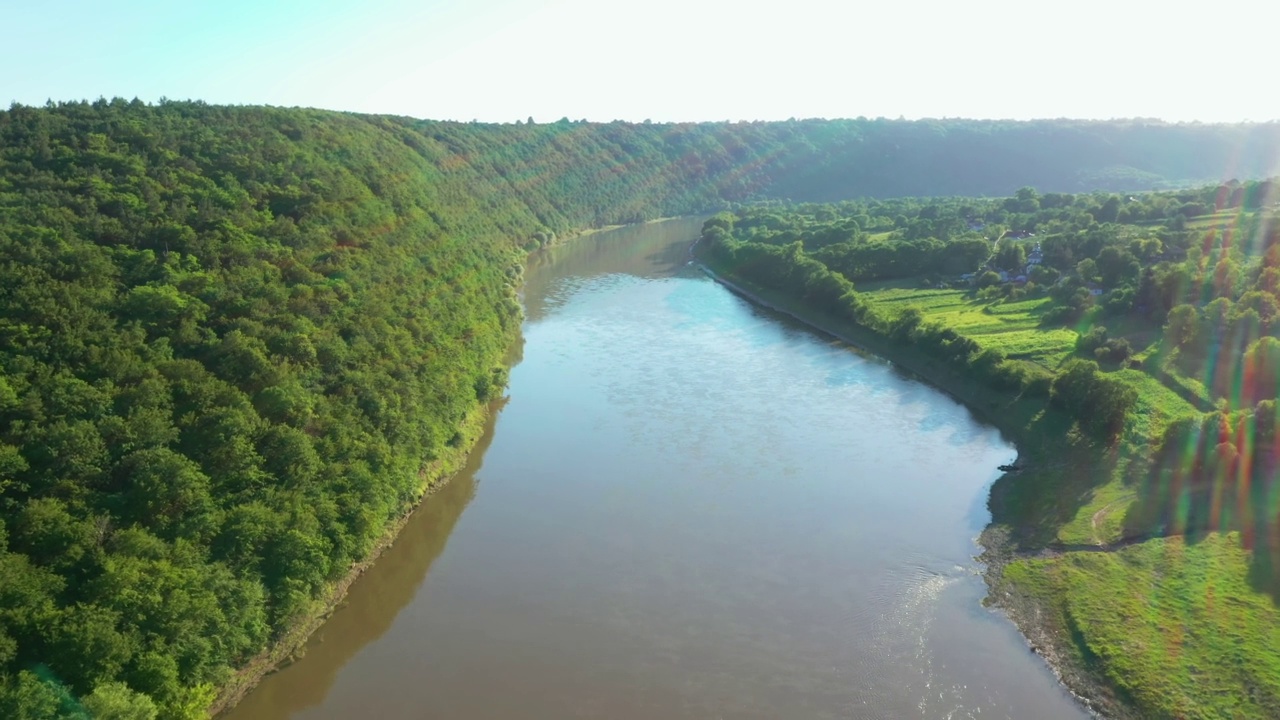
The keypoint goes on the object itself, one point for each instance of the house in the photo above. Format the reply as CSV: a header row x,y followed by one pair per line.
x,y
1036,256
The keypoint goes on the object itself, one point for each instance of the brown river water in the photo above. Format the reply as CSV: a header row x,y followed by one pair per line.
x,y
687,507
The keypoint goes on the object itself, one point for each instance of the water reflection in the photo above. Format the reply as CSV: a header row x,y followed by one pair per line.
x,y
375,598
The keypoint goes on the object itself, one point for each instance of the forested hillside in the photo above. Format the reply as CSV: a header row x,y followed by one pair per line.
x,y
232,339
829,160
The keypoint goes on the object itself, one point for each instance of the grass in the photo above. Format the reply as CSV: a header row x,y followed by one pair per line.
x,y
1218,220
1158,405
1174,627
1100,520
1012,327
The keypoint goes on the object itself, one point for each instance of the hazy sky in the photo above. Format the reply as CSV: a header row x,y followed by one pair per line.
x,y
661,59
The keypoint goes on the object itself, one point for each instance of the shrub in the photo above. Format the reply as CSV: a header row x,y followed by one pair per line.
x,y
1116,350
1092,340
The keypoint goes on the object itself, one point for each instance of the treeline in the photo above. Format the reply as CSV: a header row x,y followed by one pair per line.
x,y
1217,471
620,165
1120,254
886,158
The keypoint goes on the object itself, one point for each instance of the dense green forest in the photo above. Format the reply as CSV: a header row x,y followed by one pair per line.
x,y
234,339
1131,343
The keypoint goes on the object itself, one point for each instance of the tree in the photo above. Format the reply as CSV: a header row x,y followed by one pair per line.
x,y
1092,340
1071,385
1011,255
1100,403
1264,303
1109,211
1262,370
1217,317
1115,350
1117,266
1182,325
1025,200
964,255
1044,275
115,701
1087,270
1108,405
164,491
906,323
1147,249
83,645
34,698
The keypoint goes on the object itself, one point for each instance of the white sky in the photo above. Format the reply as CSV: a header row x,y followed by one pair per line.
x,y
663,59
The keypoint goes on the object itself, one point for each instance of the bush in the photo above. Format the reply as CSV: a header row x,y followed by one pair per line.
x,y
1008,375
1116,350
1099,402
1037,383
1092,340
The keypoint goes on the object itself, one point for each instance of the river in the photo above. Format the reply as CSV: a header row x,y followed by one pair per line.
x,y
687,507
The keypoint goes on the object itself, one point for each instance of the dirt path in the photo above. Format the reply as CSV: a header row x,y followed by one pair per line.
x,y
1097,517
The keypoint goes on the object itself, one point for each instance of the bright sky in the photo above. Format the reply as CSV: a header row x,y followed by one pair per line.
x,y
504,60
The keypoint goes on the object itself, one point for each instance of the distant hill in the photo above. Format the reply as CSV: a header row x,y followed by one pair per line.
x,y
828,160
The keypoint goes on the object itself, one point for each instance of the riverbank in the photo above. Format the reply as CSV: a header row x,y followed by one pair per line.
x,y
287,648
1041,443
1044,637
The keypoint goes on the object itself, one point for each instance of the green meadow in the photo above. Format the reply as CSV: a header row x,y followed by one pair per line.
x,y
1012,327
1173,624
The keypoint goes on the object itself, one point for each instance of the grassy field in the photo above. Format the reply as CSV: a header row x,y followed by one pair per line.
x,y
1174,626
1220,220
1013,327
